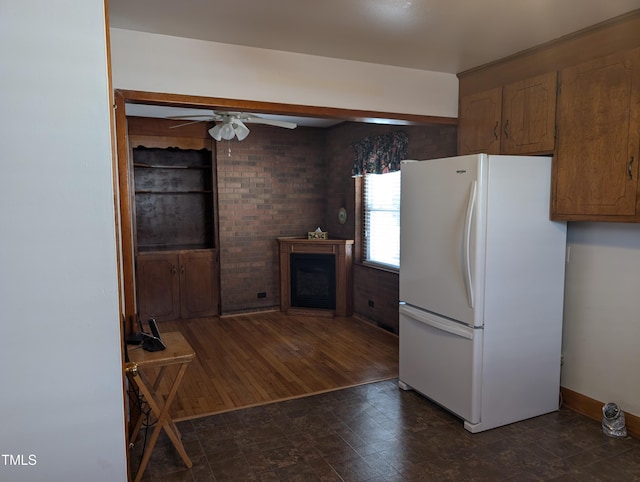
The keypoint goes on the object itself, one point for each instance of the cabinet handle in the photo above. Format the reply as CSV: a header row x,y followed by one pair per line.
x,y
181,270
506,129
629,172
495,130
173,270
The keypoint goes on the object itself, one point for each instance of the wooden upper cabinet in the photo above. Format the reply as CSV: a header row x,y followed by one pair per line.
x,y
479,122
596,164
518,118
528,115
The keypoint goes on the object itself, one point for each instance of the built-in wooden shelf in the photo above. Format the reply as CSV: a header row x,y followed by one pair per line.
x,y
343,251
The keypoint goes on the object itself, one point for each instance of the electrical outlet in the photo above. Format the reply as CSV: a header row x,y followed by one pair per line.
x,y
262,294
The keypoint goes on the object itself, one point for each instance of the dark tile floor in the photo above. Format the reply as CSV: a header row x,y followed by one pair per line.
x,y
377,432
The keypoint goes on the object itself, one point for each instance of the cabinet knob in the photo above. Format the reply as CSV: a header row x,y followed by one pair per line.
x,y
131,368
629,171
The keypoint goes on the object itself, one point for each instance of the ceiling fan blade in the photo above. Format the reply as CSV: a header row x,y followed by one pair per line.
x,y
272,122
195,116
186,124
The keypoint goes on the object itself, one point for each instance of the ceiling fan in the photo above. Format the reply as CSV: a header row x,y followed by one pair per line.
x,y
232,124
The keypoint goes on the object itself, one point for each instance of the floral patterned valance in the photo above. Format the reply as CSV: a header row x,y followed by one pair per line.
x,y
380,154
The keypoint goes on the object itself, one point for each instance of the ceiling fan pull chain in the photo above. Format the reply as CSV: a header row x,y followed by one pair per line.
x,y
228,148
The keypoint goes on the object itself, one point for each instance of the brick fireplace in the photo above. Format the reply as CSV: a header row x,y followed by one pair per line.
x,y
316,275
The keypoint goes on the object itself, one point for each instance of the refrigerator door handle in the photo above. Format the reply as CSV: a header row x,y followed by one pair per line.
x,y
436,322
467,243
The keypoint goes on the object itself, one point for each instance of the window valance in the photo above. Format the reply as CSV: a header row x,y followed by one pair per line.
x,y
380,154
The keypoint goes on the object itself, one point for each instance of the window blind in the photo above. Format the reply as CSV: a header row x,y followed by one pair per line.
x,y
381,240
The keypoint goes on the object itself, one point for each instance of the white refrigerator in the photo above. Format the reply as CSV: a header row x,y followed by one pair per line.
x,y
481,287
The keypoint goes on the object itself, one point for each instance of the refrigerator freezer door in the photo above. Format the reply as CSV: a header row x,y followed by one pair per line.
x,y
439,218
442,360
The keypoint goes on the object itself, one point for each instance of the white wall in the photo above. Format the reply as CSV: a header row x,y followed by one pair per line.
x,y
160,63
602,320
61,401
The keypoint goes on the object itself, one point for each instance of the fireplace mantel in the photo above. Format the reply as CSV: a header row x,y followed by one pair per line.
x,y
343,251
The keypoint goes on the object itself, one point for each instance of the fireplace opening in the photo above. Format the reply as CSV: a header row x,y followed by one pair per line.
x,y
313,280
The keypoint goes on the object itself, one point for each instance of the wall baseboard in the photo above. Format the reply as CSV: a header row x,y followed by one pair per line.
x,y
375,324
593,409
249,311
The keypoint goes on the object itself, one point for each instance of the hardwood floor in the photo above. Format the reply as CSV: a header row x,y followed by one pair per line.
x,y
249,360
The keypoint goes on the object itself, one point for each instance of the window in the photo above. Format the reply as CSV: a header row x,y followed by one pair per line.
x,y
381,244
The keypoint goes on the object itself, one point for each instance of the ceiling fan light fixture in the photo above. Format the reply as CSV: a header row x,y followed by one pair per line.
x,y
228,129
215,132
241,130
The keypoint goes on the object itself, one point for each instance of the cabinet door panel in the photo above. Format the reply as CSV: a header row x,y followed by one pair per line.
x,y
528,115
479,126
198,283
158,286
596,165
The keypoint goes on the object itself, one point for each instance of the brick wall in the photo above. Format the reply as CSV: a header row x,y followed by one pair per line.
x,y
271,184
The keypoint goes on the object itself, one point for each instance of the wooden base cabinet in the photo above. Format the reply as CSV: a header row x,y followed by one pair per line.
x,y
177,284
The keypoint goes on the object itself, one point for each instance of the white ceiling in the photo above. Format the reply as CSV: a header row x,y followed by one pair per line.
x,y
440,35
